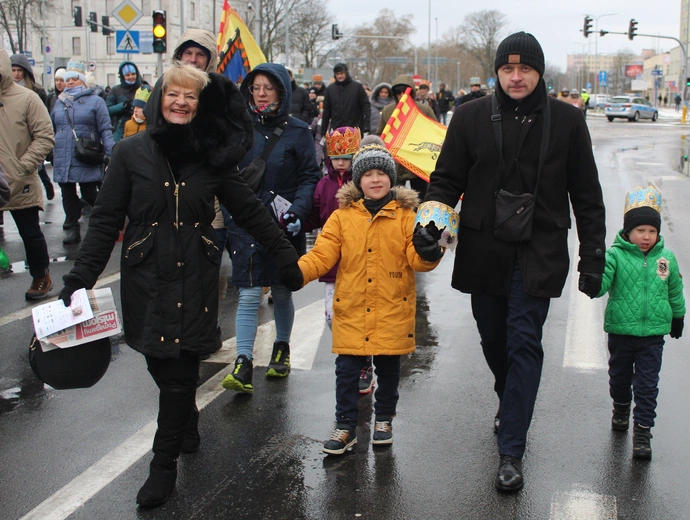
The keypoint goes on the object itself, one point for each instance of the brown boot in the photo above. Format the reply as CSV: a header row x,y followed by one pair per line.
x,y
39,288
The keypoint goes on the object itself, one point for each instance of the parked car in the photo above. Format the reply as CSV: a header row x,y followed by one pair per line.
x,y
632,108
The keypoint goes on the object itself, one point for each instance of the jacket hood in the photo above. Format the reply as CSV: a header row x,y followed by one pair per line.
x,y
378,102
6,79
280,74
203,39
349,194
22,61
138,81
222,131
403,79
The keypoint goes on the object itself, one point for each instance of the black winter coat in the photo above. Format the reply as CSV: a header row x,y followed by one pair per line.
x,y
170,263
468,163
346,104
299,107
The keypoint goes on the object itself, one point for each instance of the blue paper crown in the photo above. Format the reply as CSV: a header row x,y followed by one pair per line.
x,y
639,198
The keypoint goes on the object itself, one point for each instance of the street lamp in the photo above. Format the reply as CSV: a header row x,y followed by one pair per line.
x,y
596,49
582,61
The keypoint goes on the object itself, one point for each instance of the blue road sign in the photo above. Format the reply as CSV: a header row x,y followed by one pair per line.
x,y
491,82
127,42
603,77
588,85
49,69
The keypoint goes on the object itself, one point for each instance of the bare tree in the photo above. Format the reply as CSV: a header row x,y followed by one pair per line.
x,y
19,17
480,34
554,76
371,52
310,30
618,81
272,25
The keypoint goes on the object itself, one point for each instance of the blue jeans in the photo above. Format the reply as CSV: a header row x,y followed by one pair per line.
x,y
634,367
347,371
511,331
247,318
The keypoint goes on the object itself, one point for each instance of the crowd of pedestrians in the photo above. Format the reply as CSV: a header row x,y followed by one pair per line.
x,y
195,165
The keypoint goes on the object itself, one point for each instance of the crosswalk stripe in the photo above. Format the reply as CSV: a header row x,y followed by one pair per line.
x,y
306,336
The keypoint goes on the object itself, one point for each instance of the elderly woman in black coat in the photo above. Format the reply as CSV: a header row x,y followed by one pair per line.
x,y
164,181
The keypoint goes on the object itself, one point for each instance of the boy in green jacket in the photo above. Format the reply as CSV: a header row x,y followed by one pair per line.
x,y
645,303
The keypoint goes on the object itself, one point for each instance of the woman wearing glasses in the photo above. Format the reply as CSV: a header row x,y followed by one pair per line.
x,y
291,173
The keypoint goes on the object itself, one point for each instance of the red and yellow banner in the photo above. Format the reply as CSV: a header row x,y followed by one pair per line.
x,y
239,52
413,139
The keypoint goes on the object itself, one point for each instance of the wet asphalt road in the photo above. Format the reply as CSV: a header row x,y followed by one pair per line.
x,y
261,454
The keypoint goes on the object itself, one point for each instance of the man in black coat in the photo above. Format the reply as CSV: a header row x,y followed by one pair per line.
x,y
475,93
445,101
346,103
512,282
299,107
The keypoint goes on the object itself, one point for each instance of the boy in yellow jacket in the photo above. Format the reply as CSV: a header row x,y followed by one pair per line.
x,y
137,122
375,295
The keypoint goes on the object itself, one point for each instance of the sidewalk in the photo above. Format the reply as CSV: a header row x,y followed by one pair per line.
x,y
667,114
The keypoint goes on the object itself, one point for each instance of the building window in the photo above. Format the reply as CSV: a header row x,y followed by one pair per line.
x,y
110,45
76,46
192,11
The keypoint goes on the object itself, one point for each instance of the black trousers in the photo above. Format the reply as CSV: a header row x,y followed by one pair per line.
x,y
177,380
511,332
634,368
347,371
29,227
70,200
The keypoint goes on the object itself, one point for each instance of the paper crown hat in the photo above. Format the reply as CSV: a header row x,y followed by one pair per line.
x,y
640,197
445,218
141,96
343,142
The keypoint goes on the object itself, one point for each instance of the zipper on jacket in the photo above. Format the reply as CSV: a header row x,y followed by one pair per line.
x,y
177,192
644,313
135,244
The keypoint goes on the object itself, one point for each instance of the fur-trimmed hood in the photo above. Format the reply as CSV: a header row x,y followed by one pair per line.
x,y
222,131
349,194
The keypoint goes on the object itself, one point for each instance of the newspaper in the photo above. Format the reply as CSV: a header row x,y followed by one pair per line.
x,y
105,322
280,205
54,316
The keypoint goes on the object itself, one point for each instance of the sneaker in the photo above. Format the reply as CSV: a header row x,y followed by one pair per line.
x,y
366,380
240,379
642,448
39,288
280,360
383,430
343,438
620,421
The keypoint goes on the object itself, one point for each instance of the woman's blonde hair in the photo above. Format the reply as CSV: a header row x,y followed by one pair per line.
x,y
185,76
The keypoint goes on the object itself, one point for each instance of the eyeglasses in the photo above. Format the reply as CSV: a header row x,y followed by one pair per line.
x,y
258,88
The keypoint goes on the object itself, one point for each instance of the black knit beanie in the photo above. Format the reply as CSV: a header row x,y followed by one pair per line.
x,y
642,216
523,48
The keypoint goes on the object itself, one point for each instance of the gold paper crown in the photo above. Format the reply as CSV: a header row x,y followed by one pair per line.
x,y
639,198
343,141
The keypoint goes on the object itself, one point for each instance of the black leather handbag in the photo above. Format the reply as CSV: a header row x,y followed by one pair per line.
x,y
88,151
515,211
74,367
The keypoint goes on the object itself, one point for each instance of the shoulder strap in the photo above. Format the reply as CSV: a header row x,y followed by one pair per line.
x,y
69,120
273,140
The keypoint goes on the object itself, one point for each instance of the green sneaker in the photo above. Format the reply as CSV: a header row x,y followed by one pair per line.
x,y
240,379
280,360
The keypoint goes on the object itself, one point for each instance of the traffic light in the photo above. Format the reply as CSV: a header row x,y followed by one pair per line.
x,y
549,85
587,28
77,17
105,22
335,33
159,32
632,29
93,21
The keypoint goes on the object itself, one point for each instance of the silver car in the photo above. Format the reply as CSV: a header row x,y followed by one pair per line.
x,y
631,108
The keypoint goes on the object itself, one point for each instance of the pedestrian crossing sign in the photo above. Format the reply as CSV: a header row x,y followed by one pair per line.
x,y
127,42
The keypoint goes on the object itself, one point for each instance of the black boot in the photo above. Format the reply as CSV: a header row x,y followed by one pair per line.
x,y
161,482
72,236
621,417
509,476
642,448
192,439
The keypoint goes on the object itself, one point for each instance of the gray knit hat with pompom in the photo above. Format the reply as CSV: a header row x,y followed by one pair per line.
x,y
372,155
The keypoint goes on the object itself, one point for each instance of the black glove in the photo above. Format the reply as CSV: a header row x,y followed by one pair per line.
x,y
127,105
66,294
425,241
677,327
291,277
590,284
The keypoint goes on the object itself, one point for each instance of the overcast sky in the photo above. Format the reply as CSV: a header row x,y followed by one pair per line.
x,y
557,25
